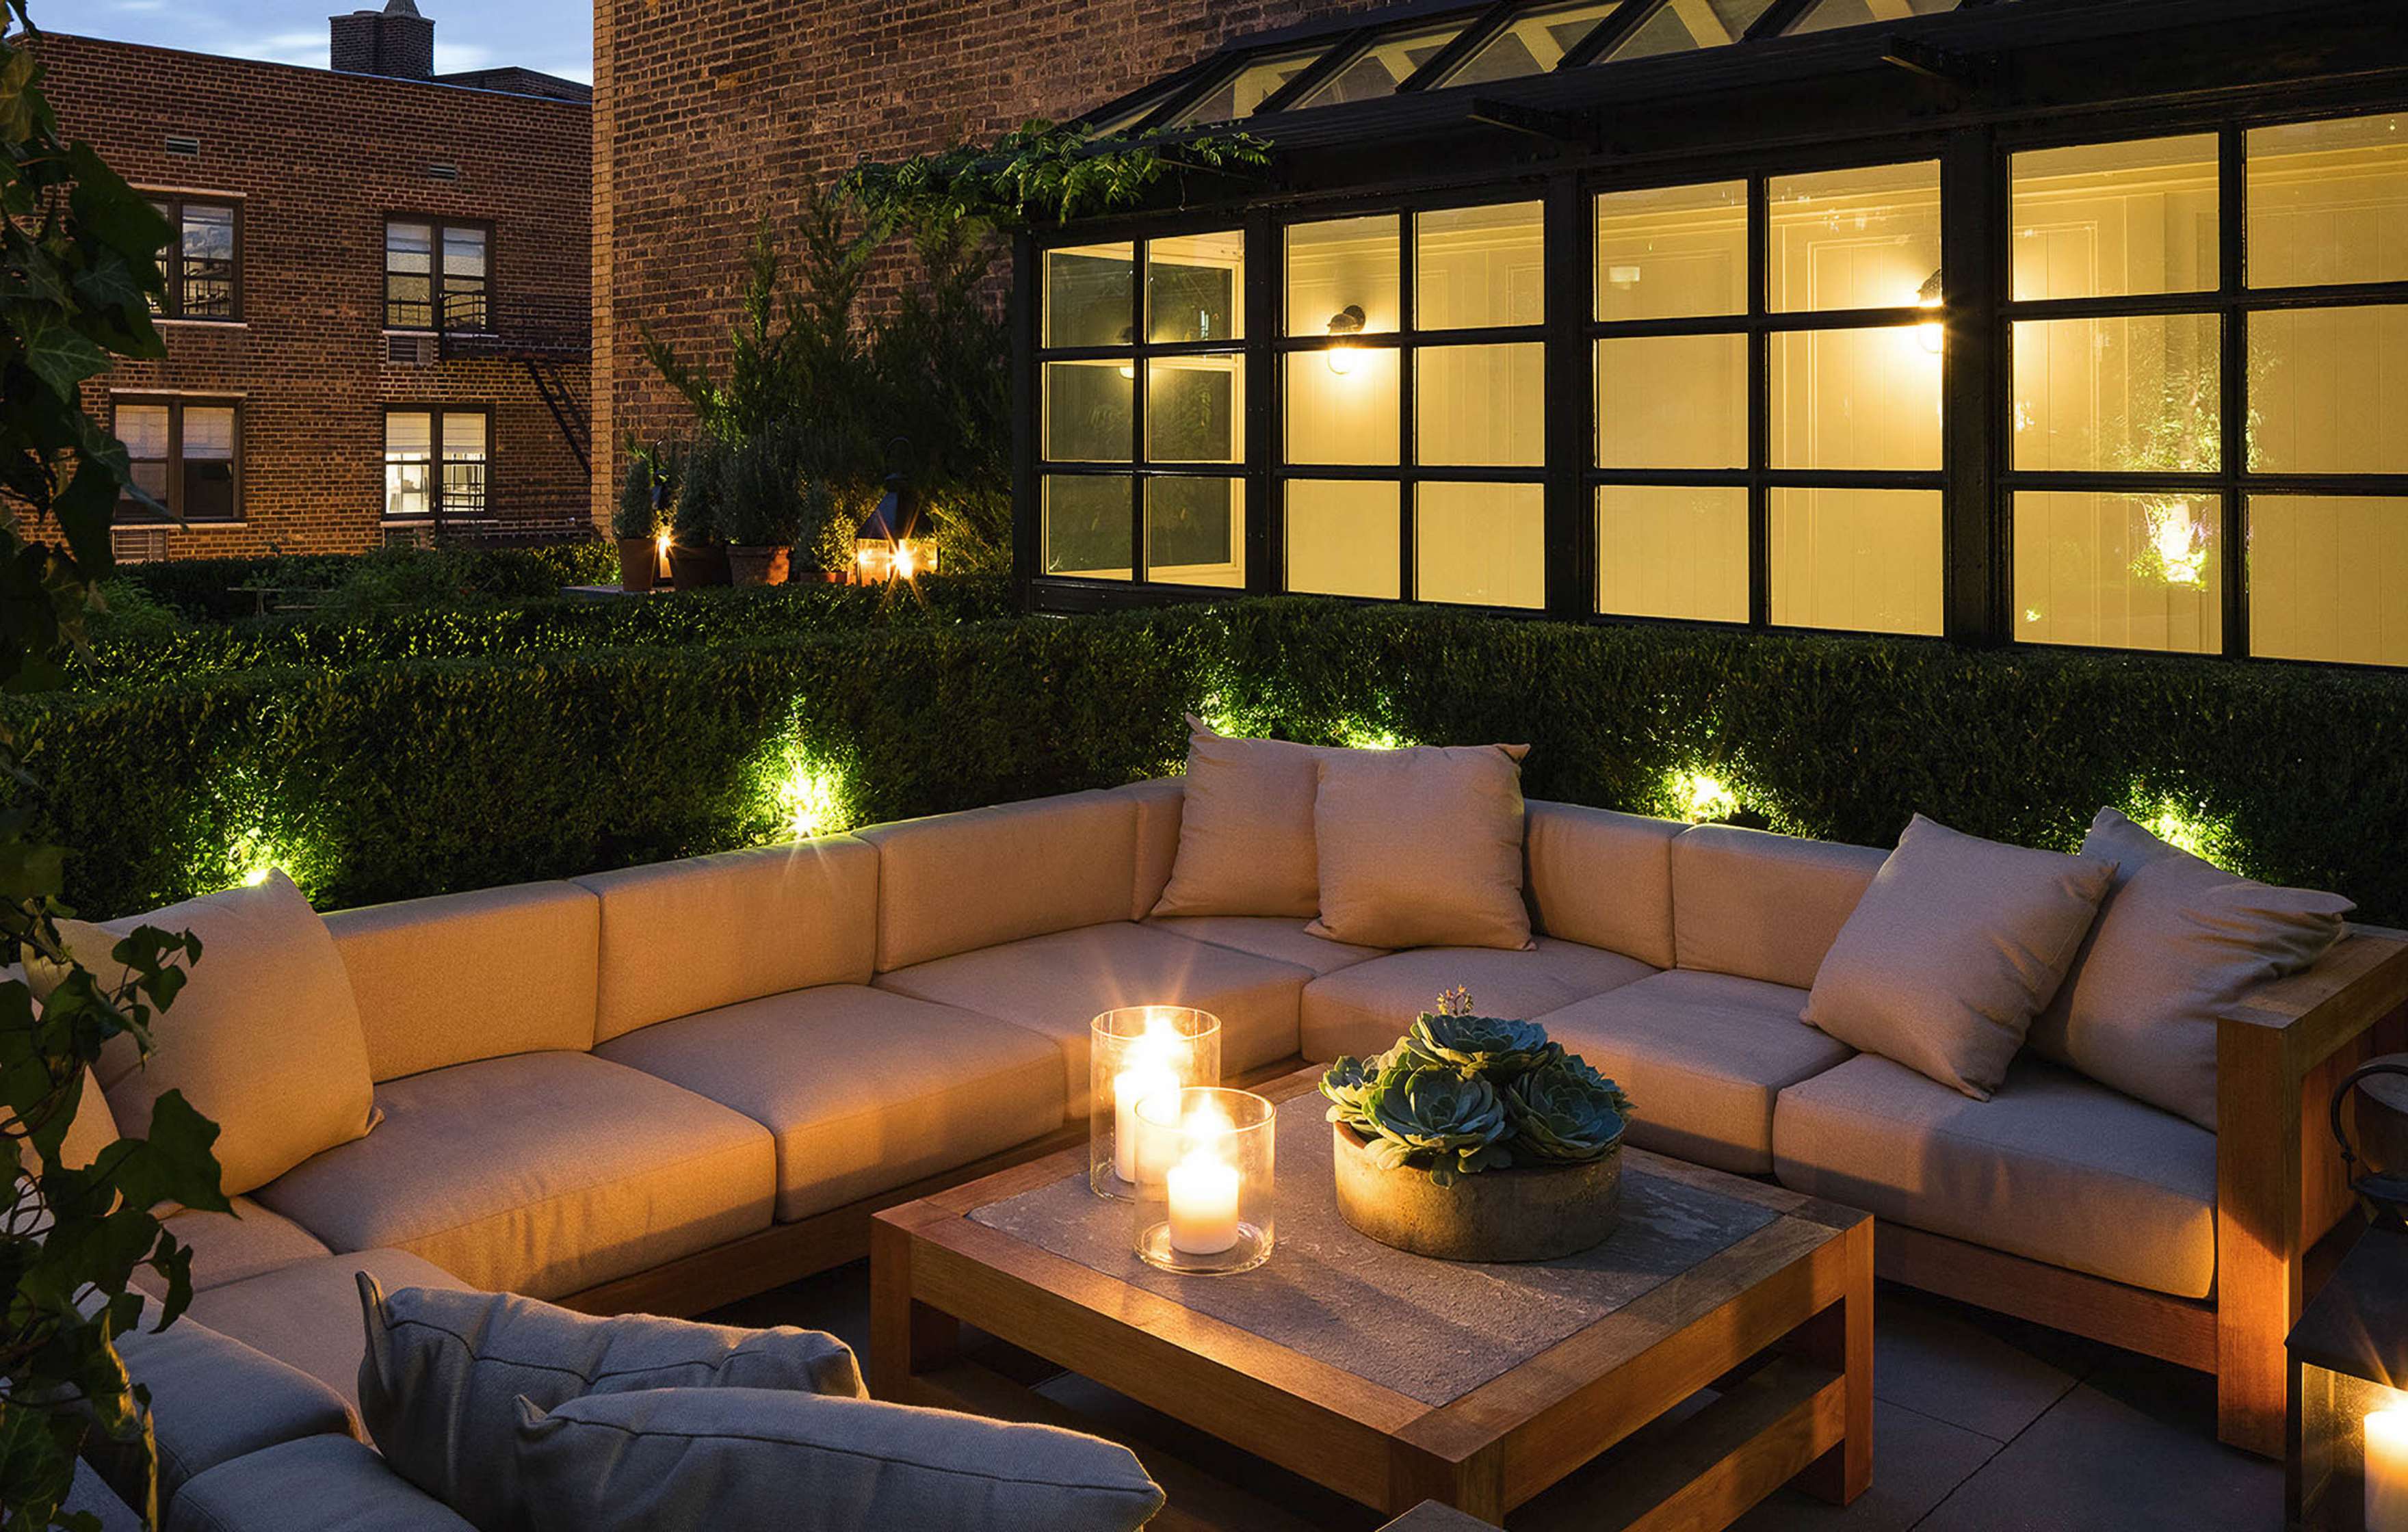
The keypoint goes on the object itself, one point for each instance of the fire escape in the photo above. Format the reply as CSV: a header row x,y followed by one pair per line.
x,y
543,343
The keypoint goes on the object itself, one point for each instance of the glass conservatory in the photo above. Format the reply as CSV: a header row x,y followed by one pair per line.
x,y
2045,322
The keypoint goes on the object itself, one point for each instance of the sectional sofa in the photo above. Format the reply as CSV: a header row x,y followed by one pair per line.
x,y
669,1087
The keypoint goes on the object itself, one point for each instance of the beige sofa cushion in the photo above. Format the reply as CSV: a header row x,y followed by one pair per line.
x,y
1763,906
1422,848
232,1246
743,1460
1365,1009
307,1316
1956,946
264,1040
863,1090
213,1399
444,1371
1057,987
2055,1167
543,1174
1604,879
684,936
1159,805
92,1129
1703,1055
1246,829
958,882
1278,938
2178,944
463,977
320,1485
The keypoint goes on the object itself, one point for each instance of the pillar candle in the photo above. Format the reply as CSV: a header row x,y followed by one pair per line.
x,y
1204,1192
2387,1472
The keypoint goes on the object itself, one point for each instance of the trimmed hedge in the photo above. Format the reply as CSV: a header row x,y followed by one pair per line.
x,y
204,590
388,781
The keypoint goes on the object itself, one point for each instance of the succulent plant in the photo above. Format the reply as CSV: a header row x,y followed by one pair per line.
x,y
1348,1082
1566,1113
1496,1050
1457,1120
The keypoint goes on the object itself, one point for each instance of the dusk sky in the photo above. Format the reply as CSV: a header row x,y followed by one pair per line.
x,y
553,36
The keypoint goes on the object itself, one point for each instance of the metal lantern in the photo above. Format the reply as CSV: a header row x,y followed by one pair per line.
x,y
2346,1462
896,540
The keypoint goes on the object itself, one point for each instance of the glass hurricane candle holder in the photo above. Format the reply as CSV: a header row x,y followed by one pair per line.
x,y
1204,1191
1134,1052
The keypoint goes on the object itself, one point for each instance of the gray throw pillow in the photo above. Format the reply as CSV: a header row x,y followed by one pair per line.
x,y
444,1371
2179,943
1953,949
745,1460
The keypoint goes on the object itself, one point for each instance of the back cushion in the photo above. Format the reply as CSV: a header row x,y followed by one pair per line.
x,y
1159,805
957,882
464,977
679,938
1763,906
1603,878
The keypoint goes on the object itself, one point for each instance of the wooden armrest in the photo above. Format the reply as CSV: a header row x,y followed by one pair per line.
x,y
2363,978
1431,1516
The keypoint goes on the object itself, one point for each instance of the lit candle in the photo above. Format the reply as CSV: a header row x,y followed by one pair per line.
x,y
1204,1192
1149,1072
2387,1472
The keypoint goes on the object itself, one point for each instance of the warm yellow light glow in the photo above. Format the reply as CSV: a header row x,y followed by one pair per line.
x,y
1341,360
1356,737
2186,826
2177,541
661,543
1701,798
811,800
1934,335
2386,1470
907,561
1128,371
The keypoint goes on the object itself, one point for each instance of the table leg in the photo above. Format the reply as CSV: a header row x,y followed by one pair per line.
x,y
906,1338
1841,1338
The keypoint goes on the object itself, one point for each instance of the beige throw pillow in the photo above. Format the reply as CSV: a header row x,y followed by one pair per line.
x,y
1245,830
2179,943
264,1040
1422,848
1957,944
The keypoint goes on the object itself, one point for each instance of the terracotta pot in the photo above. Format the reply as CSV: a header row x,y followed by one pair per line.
x,y
638,563
758,565
692,569
1533,1213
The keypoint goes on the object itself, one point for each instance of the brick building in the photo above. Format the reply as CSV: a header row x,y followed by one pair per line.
x,y
709,114
377,323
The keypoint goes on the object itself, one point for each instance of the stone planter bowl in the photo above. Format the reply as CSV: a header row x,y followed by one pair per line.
x,y
1525,1213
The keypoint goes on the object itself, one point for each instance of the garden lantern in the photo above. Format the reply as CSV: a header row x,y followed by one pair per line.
x,y
2346,1458
897,539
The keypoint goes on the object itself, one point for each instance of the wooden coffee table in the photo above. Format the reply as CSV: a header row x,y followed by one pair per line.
x,y
1391,1379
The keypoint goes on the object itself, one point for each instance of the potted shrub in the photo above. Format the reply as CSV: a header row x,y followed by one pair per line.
x,y
1477,1139
696,558
761,508
637,521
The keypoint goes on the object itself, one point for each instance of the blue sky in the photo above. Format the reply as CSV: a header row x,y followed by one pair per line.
x,y
553,36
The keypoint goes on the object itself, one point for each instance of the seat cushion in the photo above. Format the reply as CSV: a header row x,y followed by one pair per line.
x,y
2053,1167
213,1399
1057,985
1702,1056
1278,938
1422,848
307,1316
1603,878
1160,802
1763,906
959,882
320,1485
1365,1009
542,1174
235,1246
923,1089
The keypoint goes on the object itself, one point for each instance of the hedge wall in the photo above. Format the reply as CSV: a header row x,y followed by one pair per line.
x,y
386,781
205,590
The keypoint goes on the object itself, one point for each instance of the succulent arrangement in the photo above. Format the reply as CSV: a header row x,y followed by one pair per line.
x,y
1461,1094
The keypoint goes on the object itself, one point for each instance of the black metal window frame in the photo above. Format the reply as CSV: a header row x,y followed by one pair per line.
x,y
477,304
131,513
177,303
437,496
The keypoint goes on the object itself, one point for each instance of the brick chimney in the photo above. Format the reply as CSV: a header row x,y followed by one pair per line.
x,y
395,42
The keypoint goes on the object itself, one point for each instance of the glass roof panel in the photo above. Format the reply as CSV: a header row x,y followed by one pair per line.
x,y
1830,15
1247,87
1533,42
1686,25
1383,65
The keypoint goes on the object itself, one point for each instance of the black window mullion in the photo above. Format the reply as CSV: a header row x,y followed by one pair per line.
x,y
1408,448
1571,520
1759,403
2233,394
1977,522
1259,365
1140,386
175,445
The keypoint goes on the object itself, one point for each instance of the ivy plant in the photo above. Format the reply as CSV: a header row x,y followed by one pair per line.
x,y
79,268
1043,173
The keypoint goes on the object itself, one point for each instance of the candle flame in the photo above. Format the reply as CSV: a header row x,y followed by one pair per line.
x,y
1207,1129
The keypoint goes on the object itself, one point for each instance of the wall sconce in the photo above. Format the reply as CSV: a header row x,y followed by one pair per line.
x,y
1346,321
1934,335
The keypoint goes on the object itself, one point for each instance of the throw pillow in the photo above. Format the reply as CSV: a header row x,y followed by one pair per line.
x,y
745,1460
1953,949
1422,848
444,1371
264,1040
2179,943
1245,830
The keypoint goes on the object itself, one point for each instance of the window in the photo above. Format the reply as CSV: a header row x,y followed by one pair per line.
x,y
1533,42
201,263
437,465
1242,92
186,457
1415,451
1385,63
1142,396
435,276
1684,26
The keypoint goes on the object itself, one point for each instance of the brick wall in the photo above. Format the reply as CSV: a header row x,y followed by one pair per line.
x,y
710,112
319,160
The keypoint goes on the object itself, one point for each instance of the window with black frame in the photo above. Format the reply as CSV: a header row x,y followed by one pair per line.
x,y
435,276
1413,460
201,261
185,455
1146,483
436,464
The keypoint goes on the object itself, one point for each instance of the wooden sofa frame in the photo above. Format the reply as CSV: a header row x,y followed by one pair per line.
x,y
2279,1192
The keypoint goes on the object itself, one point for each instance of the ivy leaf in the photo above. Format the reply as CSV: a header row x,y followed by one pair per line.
x,y
55,352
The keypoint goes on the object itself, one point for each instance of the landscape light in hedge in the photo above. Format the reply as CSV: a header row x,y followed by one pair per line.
x,y
811,800
2186,826
1361,737
1701,798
